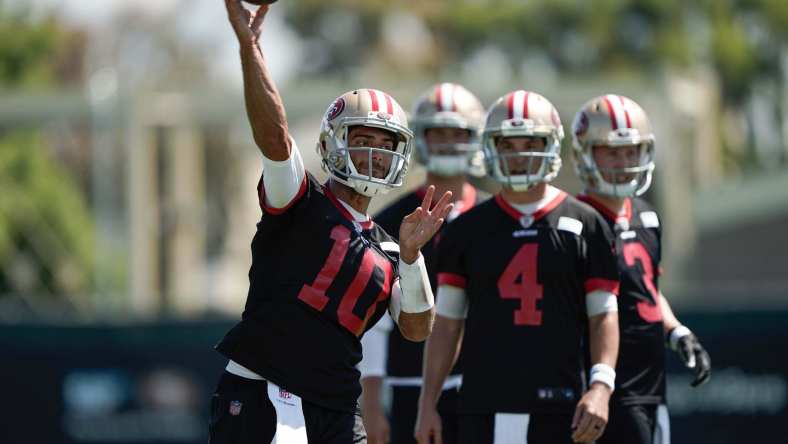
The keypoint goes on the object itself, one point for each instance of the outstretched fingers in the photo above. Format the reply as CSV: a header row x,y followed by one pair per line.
x,y
444,205
427,201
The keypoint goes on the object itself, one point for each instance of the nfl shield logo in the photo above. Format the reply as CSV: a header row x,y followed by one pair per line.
x,y
235,408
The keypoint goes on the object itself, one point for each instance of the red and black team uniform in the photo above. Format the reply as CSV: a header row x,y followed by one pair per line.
x,y
403,365
640,372
319,279
525,277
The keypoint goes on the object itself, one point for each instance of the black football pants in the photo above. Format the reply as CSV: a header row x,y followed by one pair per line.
x,y
242,413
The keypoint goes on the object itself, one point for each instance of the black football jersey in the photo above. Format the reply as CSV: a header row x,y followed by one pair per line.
x,y
526,277
318,281
404,356
640,372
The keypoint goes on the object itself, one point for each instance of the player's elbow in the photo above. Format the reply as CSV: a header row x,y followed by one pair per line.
x,y
274,142
416,327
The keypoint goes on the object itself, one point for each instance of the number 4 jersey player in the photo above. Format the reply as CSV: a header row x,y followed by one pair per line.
x,y
322,272
528,275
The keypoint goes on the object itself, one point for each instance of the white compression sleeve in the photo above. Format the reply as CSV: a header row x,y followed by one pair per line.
x,y
417,294
374,345
283,179
395,304
452,302
598,302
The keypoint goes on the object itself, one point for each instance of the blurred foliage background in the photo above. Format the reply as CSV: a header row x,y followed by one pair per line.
x,y
126,162
46,228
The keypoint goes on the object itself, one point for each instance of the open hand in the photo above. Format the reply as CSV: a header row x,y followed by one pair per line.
x,y
418,227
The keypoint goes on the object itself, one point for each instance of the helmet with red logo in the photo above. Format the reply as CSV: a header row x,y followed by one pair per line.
x,y
614,121
449,105
523,114
370,108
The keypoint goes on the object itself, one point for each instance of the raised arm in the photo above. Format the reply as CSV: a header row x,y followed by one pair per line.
x,y
263,104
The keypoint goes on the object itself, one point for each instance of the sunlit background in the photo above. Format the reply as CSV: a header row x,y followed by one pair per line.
x,y
128,174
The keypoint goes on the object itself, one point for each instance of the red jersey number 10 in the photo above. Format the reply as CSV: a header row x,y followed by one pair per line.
x,y
315,294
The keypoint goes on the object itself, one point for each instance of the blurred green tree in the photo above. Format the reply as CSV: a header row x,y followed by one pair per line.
x,y
46,232
744,41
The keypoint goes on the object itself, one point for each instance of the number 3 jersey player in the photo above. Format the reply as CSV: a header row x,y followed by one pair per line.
x,y
614,158
528,275
322,272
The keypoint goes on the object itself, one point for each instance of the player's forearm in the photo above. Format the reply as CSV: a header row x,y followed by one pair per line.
x,y
604,338
417,301
669,320
264,105
440,354
371,393
416,327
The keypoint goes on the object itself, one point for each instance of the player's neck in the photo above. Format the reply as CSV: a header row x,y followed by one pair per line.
x,y
357,201
532,195
614,204
455,184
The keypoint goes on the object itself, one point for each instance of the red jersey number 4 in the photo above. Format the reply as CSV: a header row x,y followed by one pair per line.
x,y
518,281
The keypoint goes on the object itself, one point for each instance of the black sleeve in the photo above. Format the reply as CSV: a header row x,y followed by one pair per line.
x,y
450,263
601,265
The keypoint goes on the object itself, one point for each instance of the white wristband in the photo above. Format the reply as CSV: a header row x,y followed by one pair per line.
x,y
417,294
605,374
676,334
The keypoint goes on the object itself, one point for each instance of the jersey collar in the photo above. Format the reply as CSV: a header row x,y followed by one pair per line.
x,y
538,214
365,225
605,211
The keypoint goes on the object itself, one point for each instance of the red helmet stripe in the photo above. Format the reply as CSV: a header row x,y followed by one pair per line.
x,y
439,96
374,98
612,113
626,112
518,105
389,104
510,104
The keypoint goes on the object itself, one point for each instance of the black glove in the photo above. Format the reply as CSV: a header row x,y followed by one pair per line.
x,y
694,356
